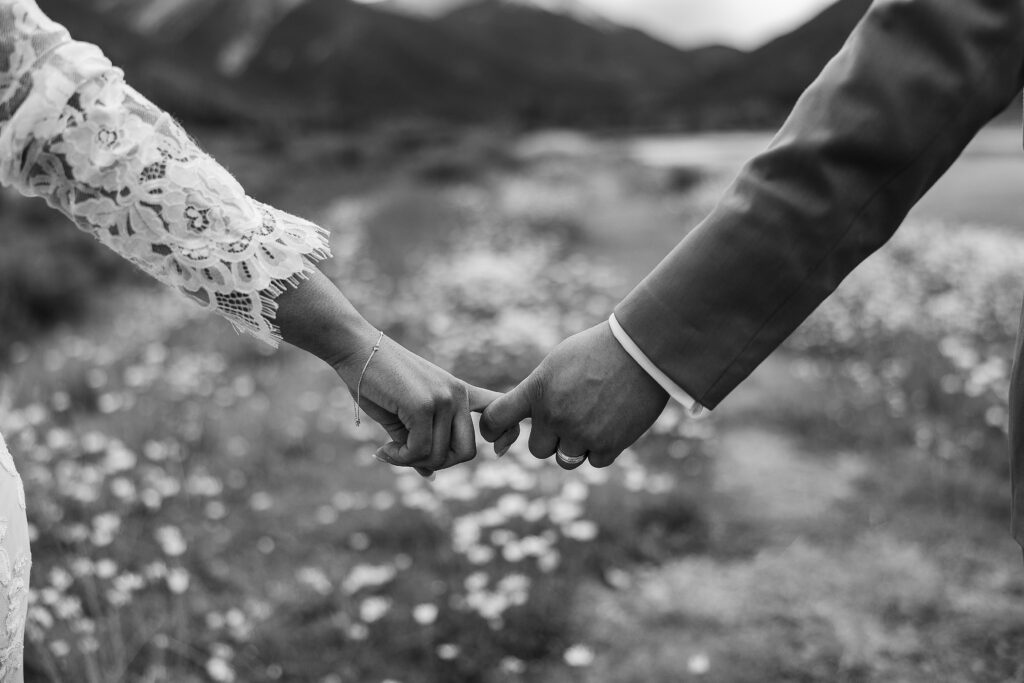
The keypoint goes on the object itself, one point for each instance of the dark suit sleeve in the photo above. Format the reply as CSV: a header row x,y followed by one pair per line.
x,y
883,121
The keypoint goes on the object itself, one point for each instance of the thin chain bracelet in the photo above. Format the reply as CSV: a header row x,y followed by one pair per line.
x,y
359,384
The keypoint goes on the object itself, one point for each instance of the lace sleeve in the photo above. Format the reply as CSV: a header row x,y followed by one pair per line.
x,y
72,132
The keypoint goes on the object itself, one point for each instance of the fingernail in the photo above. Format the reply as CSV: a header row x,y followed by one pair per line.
x,y
429,477
504,451
380,458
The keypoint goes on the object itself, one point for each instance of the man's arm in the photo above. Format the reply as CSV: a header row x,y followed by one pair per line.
x,y
884,120
882,123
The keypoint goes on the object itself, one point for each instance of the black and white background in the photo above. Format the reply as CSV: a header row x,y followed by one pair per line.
x,y
496,174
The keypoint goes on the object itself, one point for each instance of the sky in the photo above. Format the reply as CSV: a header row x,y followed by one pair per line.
x,y
741,23
687,23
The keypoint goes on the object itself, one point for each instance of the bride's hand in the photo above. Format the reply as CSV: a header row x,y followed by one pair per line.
x,y
425,410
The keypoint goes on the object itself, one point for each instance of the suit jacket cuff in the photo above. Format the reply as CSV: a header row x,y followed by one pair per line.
x,y
674,390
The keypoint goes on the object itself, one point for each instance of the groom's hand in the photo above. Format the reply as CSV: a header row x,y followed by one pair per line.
x,y
587,398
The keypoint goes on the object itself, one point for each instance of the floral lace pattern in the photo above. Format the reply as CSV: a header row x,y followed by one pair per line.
x,y
13,588
72,132
15,562
7,465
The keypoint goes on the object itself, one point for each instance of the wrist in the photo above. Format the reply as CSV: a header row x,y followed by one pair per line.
x,y
317,318
675,391
350,348
637,374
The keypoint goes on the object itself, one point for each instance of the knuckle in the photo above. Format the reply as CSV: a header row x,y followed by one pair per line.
x,y
593,435
489,423
438,462
537,389
445,400
544,414
418,451
557,412
404,459
556,422
424,406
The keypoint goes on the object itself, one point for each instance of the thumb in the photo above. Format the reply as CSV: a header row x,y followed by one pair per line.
x,y
479,398
508,411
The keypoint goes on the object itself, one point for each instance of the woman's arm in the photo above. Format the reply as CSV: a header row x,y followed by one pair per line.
x,y
73,132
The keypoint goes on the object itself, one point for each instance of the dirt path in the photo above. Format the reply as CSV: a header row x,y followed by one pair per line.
x,y
764,475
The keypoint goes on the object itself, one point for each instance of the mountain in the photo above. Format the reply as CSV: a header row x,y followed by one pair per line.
x,y
87,23
536,62
180,78
768,81
226,35
221,33
510,59
561,36
435,8
573,9
357,62
626,71
418,8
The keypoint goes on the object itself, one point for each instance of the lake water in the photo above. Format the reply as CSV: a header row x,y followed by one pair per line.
x,y
986,185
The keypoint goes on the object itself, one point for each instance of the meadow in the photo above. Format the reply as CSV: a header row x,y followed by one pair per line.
x,y
203,509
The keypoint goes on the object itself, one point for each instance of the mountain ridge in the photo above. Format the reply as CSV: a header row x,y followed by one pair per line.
x,y
573,9
341,62
801,54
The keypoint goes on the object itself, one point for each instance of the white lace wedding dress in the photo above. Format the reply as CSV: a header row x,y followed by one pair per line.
x,y
72,132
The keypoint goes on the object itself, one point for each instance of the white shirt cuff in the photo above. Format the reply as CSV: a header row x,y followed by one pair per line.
x,y
674,390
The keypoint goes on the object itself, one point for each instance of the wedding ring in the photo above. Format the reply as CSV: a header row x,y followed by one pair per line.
x,y
570,460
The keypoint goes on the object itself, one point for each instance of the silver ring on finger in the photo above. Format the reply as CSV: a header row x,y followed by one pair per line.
x,y
570,460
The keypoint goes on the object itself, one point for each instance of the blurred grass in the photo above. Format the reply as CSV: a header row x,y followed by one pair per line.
x,y
49,273
204,509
